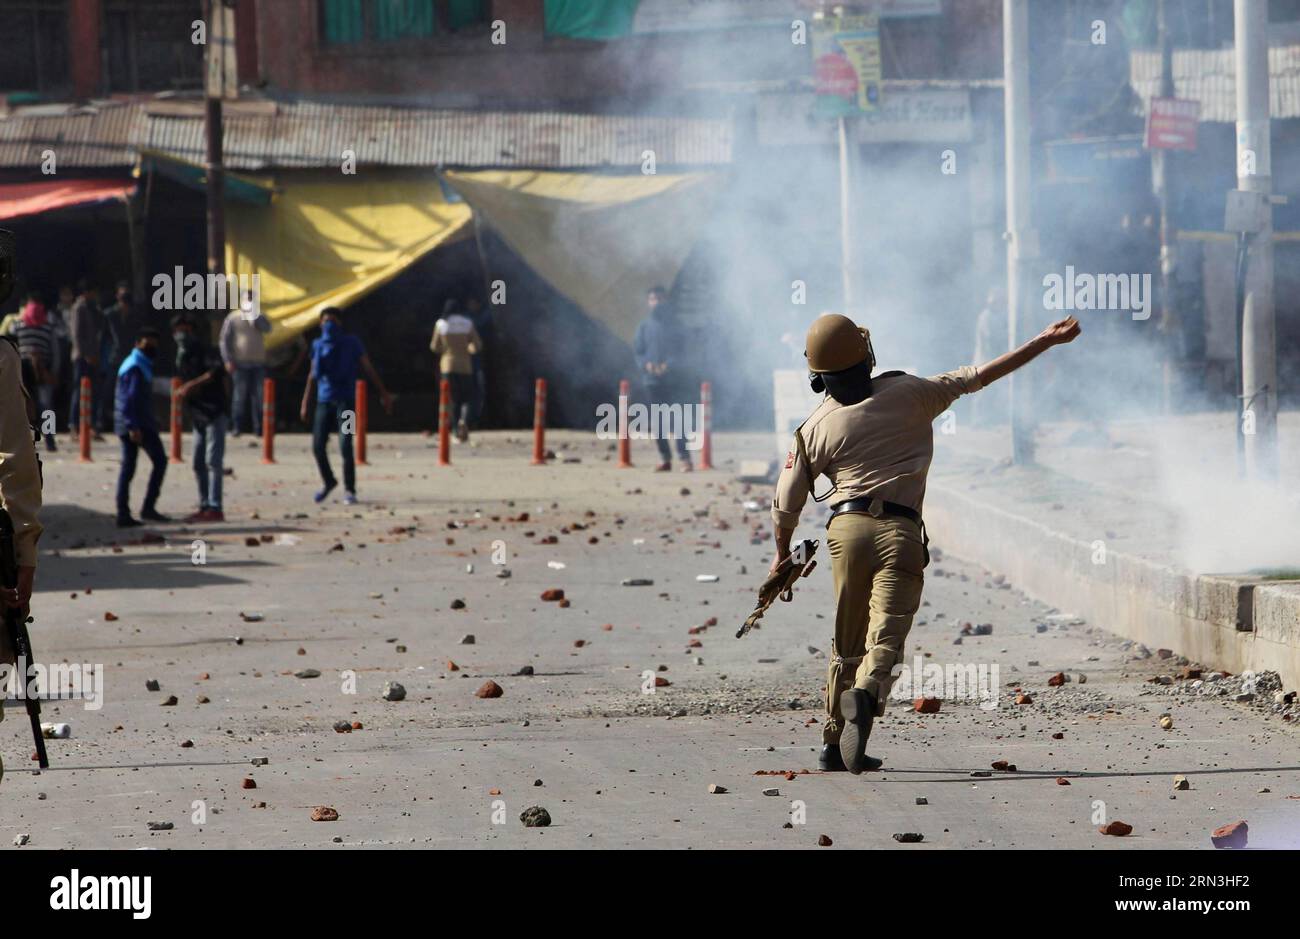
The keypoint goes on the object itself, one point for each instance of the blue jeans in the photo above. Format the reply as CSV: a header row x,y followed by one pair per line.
x,y
664,391
480,395
152,445
209,460
463,391
329,415
248,391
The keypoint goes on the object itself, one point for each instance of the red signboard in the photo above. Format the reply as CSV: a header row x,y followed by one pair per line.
x,y
1171,124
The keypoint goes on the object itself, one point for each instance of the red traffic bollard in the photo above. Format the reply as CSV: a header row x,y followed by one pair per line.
x,y
624,444
268,420
363,418
444,423
539,423
706,425
84,428
176,428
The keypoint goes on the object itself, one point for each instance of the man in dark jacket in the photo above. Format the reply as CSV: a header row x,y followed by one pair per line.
x,y
117,336
660,348
86,328
136,427
203,389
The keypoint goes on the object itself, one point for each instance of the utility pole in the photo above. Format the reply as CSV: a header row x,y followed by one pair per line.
x,y
1258,339
1160,164
214,55
1022,240
846,214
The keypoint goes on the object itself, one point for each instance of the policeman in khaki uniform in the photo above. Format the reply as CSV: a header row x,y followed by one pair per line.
x,y
872,438
20,473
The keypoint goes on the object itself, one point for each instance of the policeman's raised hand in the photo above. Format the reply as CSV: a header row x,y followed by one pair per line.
x,y
1062,331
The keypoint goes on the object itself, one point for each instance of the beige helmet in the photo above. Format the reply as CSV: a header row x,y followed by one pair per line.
x,y
835,343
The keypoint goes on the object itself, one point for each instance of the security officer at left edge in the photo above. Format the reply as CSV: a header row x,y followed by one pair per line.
x,y
20,473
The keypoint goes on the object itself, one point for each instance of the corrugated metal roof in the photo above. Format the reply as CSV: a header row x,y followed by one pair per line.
x,y
1209,76
264,135
91,136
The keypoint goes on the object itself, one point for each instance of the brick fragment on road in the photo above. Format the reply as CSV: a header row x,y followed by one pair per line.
x,y
489,689
1116,828
1232,835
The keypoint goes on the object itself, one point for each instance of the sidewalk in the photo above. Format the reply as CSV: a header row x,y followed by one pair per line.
x,y
1141,526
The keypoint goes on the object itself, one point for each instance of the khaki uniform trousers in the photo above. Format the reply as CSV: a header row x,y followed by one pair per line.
x,y
878,566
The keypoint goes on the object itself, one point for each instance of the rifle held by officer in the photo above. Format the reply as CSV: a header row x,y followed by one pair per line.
x,y
798,563
15,625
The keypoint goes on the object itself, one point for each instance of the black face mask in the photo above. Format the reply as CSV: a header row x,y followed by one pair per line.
x,y
149,352
848,387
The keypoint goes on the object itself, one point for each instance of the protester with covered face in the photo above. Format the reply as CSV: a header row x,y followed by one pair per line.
x,y
203,392
36,345
337,358
137,428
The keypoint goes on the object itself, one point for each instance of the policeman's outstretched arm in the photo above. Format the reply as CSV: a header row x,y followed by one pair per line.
x,y
1059,333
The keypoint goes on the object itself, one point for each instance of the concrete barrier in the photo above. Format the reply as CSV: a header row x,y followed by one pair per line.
x,y
1222,621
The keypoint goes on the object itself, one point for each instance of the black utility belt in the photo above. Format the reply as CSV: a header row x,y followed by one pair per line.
x,y
876,508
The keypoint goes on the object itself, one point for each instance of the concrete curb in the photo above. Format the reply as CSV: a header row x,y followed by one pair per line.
x,y
1227,622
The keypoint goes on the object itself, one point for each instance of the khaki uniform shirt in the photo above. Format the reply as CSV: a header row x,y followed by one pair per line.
x,y
880,447
20,475
456,342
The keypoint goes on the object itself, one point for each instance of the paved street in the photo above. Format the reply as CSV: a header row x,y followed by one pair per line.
x,y
365,596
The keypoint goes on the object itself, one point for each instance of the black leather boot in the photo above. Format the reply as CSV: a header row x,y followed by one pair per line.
x,y
830,761
859,710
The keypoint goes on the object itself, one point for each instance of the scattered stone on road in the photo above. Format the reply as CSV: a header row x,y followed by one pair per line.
x,y
535,817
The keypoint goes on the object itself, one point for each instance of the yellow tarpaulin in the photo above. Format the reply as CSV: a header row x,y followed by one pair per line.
x,y
601,240
330,239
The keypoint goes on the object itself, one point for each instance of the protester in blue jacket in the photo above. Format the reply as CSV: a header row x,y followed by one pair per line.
x,y
135,425
337,359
